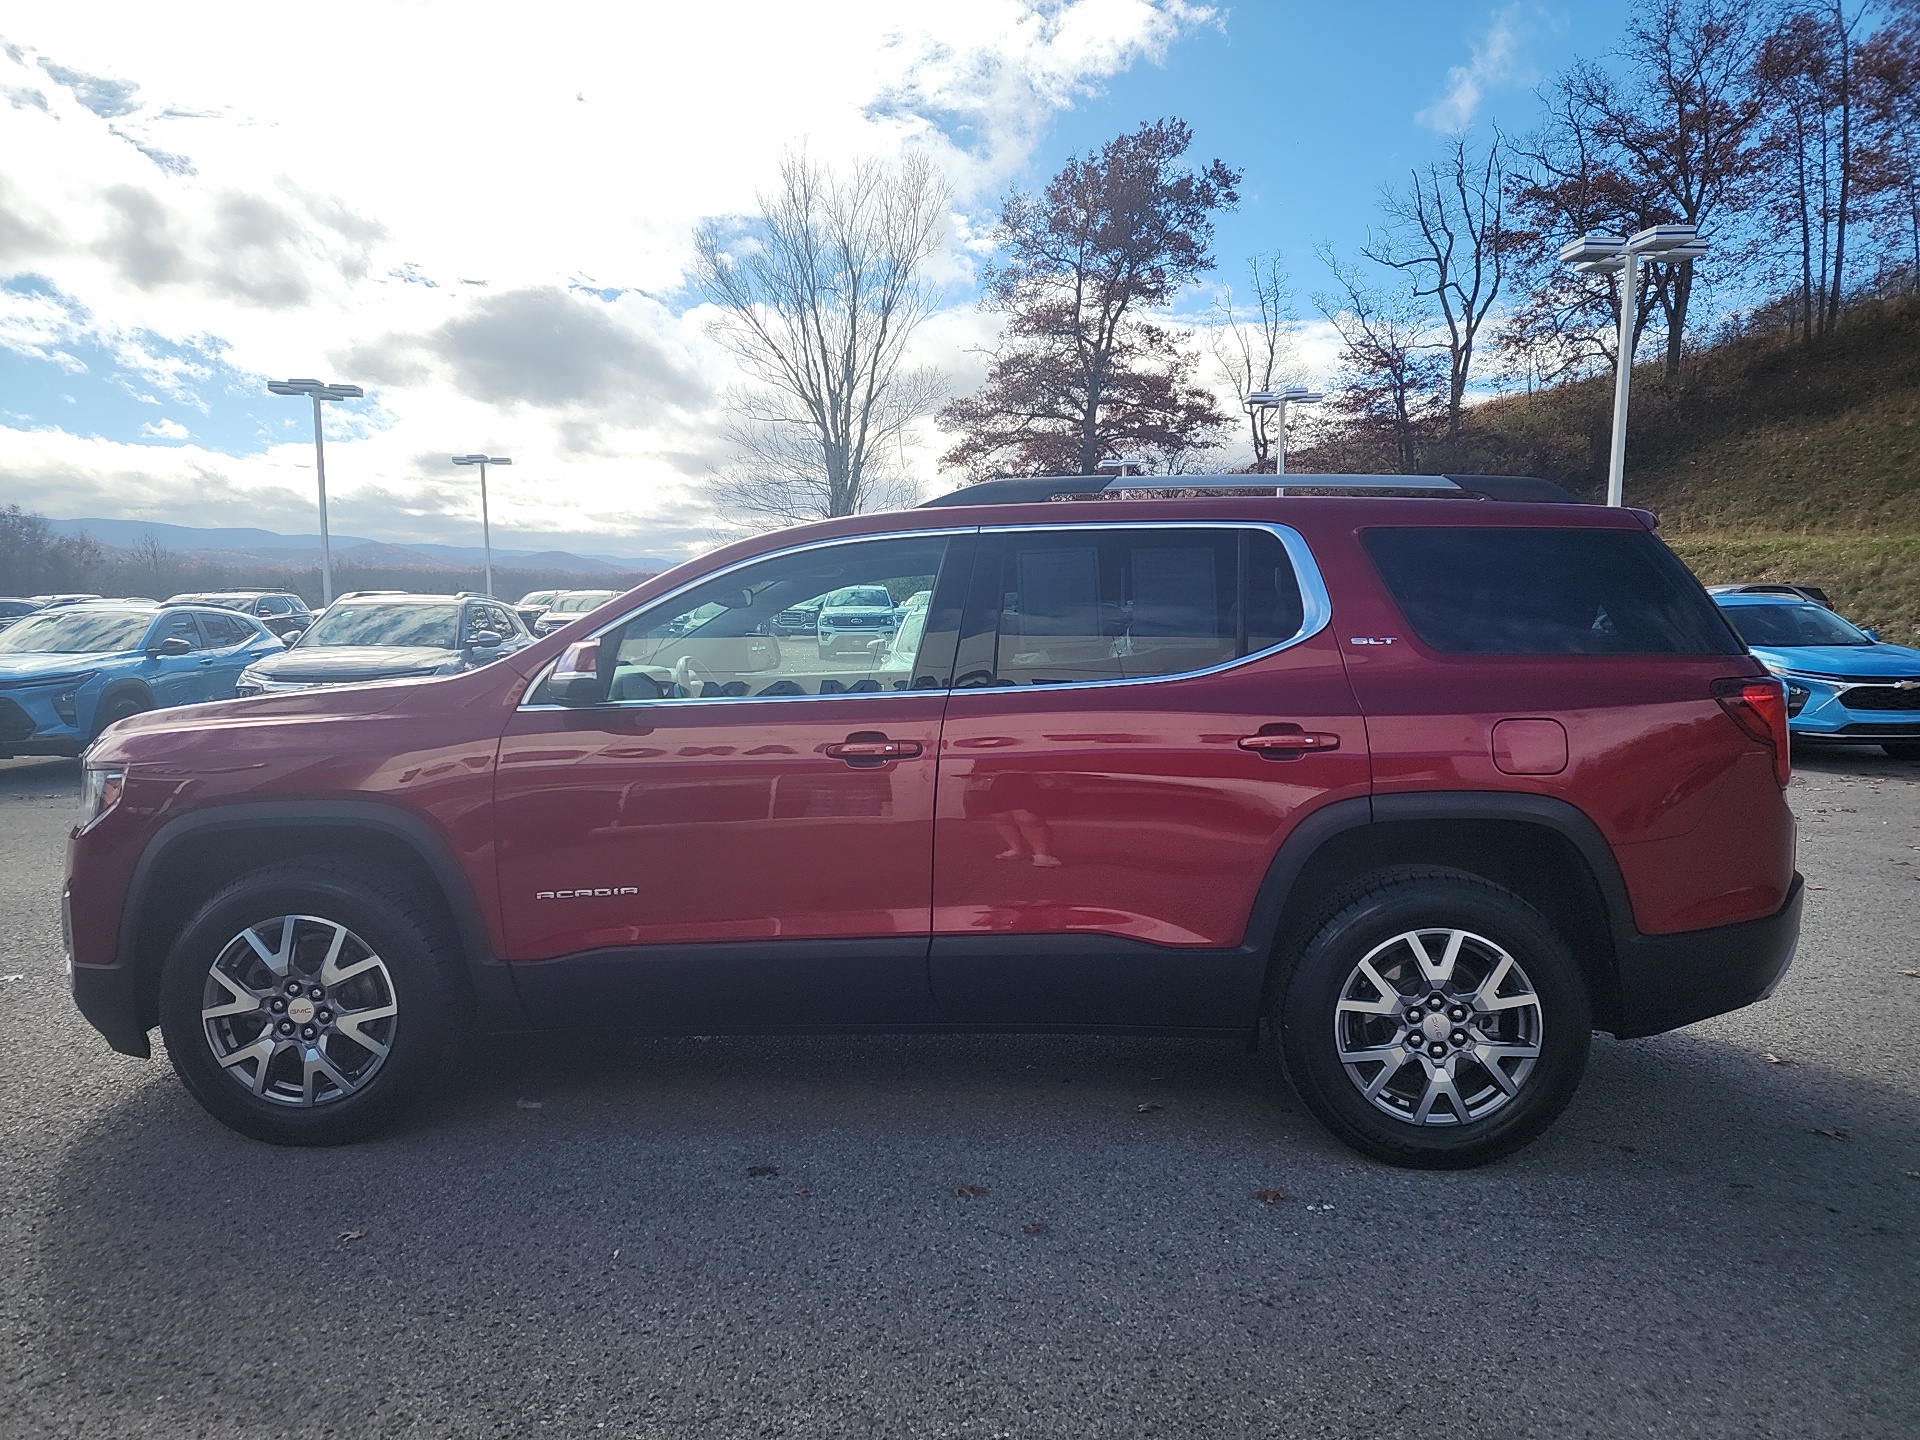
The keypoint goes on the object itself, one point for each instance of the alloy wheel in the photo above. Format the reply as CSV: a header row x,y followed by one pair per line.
x,y
1438,1026
299,1010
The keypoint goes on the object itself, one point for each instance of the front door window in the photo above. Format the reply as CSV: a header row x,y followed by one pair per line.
x,y
862,629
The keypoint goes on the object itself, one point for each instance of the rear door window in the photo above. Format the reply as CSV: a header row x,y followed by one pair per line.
x,y
1515,591
226,631
1060,607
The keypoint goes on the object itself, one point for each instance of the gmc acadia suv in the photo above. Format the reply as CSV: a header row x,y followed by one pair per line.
x,y
1428,787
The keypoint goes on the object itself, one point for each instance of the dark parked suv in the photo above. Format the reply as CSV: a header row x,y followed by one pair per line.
x,y
1426,788
281,611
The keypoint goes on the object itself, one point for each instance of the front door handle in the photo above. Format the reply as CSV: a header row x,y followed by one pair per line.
x,y
207,661
870,747
1288,742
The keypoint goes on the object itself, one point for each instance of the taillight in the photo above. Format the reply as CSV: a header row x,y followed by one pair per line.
x,y
1759,707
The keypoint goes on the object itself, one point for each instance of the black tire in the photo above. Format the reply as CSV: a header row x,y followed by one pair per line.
x,y
421,977
1901,749
118,708
1370,917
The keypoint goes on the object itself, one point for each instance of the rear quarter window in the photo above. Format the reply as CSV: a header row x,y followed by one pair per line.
x,y
1511,591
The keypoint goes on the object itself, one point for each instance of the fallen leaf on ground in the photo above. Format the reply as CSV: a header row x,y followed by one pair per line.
x,y
1910,974
1835,1134
352,1235
1913,1174
1269,1197
802,1191
756,1172
1773,1059
1148,1108
8,979
1038,1227
968,1192
528,1104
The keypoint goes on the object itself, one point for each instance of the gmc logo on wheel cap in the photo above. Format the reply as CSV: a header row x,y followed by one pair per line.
x,y
587,894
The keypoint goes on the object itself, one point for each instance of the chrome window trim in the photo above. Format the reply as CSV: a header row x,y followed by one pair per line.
x,y
1316,610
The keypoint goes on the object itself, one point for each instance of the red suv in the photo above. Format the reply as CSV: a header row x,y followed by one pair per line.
x,y
1428,787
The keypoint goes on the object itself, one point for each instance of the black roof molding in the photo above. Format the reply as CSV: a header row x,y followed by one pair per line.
x,y
1035,489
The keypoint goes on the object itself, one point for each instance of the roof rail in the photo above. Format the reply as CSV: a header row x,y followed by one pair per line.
x,y
1026,491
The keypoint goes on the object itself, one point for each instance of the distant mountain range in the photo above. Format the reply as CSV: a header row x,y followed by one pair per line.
x,y
265,547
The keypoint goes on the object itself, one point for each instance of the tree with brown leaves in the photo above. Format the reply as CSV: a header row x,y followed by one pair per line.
x,y
1083,374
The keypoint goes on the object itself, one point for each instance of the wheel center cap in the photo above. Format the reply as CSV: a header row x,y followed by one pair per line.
x,y
1434,1027
300,1011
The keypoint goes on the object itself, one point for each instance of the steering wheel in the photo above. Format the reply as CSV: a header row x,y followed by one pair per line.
x,y
686,674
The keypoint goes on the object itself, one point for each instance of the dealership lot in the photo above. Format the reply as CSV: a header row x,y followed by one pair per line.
x,y
1031,1236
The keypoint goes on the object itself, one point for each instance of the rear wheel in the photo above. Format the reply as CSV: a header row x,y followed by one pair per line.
x,y
1436,1021
309,1002
1901,749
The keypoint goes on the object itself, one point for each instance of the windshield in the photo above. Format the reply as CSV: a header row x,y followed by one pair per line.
x,y
581,603
871,596
428,625
77,632
1785,626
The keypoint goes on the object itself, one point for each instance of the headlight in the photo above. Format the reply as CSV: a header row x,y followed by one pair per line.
x,y
100,789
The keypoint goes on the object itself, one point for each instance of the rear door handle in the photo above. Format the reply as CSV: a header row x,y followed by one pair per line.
x,y
1287,742
870,749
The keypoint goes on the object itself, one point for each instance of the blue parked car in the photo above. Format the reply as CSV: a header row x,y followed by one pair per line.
x,y
68,673
1843,683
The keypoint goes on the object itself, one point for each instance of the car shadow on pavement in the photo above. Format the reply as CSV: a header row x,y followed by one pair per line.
x,y
985,1235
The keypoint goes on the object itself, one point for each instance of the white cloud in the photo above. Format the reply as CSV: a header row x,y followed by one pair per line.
x,y
237,186
1497,62
164,430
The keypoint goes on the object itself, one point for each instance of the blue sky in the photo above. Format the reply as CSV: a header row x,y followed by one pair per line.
x,y
1321,108
185,221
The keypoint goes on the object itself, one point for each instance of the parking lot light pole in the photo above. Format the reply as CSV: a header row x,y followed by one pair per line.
x,y
319,390
1600,254
1279,400
486,528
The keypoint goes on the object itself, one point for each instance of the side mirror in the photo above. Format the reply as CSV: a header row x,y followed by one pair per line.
x,y
1873,635
485,640
290,636
576,677
172,645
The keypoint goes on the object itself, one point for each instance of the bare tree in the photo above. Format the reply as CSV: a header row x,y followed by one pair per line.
x,y
1567,183
1447,231
1254,349
778,475
1889,80
818,300
1683,124
1386,399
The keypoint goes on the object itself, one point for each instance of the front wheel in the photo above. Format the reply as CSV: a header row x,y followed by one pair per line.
x,y
308,1002
120,708
1436,1021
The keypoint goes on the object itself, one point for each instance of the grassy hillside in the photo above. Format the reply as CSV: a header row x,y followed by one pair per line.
x,y
1766,459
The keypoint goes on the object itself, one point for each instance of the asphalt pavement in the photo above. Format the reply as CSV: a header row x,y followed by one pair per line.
x,y
936,1236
